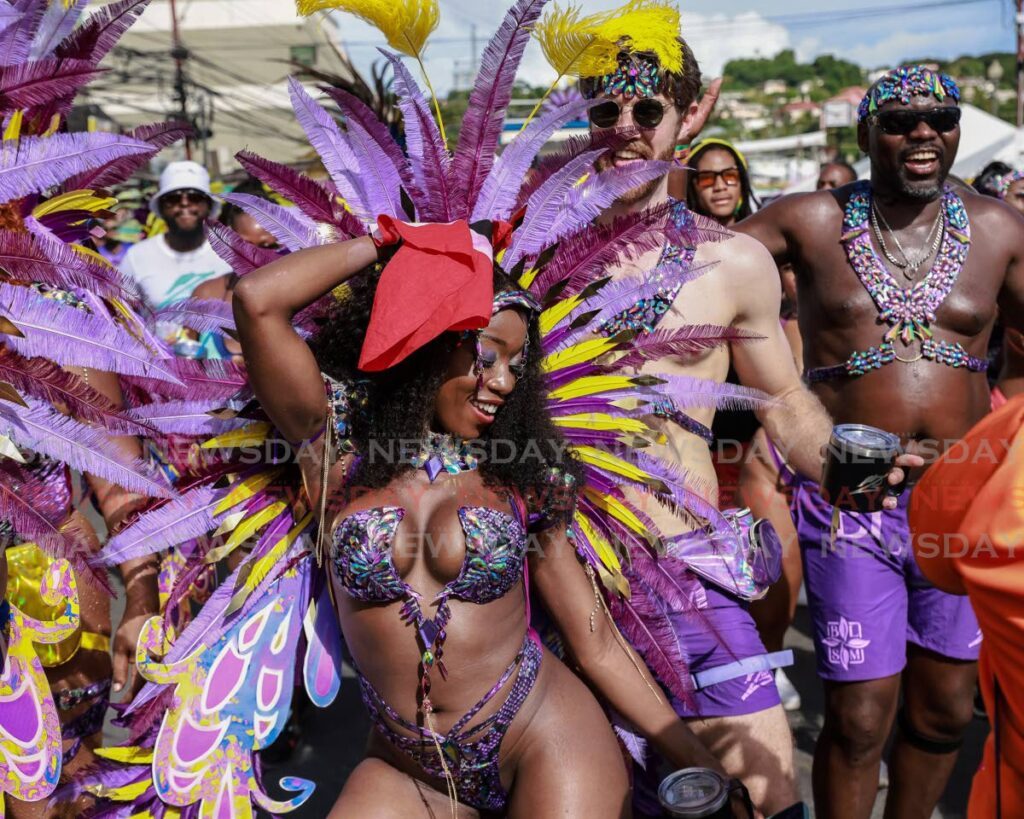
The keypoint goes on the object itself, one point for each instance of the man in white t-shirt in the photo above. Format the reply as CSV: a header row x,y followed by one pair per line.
x,y
168,267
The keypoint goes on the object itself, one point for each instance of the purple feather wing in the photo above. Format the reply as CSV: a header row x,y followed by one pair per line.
x,y
312,198
492,91
428,157
57,23
23,503
72,337
32,258
42,379
332,145
498,196
188,516
201,315
38,83
16,39
384,168
244,257
34,164
81,447
158,135
289,226
100,33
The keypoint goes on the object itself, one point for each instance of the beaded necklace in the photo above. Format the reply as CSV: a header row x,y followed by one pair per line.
x,y
909,312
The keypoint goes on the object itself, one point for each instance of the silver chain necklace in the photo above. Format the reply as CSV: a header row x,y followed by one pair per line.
x,y
909,265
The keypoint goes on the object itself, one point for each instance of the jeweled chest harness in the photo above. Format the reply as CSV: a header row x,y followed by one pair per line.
x,y
910,311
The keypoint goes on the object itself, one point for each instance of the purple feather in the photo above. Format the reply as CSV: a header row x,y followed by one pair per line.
x,y
158,135
289,226
635,745
332,145
244,257
190,418
645,624
56,25
26,85
492,92
587,201
603,141
73,337
16,39
309,196
428,157
81,447
24,504
543,207
41,378
384,168
703,230
679,491
188,516
585,256
32,258
497,198
689,393
199,380
687,341
34,164
100,33
201,315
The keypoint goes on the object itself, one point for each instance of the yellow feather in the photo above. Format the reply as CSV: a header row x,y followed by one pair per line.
x,y
74,200
246,530
13,129
600,544
253,574
405,23
602,422
578,354
611,463
554,314
622,513
250,435
129,755
128,793
592,385
246,489
589,46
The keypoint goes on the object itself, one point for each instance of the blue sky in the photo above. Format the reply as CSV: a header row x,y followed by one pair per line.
x,y
722,29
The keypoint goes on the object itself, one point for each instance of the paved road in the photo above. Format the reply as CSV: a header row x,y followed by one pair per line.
x,y
333,740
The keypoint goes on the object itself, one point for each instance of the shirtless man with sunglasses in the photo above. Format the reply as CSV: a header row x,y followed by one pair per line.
x,y
899,281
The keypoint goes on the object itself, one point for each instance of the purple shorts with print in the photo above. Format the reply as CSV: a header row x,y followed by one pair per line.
x,y
868,598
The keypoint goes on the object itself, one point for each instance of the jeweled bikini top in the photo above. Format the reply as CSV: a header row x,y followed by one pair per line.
x,y
909,312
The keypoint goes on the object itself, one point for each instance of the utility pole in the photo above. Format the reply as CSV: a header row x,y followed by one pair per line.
x,y
180,54
474,58
1020,63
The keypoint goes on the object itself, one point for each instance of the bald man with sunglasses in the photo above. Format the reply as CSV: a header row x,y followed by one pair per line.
x,y
899,280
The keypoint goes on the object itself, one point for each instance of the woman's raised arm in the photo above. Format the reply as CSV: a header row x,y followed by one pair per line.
x,y
283,370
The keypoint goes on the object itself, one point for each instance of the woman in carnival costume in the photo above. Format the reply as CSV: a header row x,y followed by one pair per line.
x,y
70,333
432,376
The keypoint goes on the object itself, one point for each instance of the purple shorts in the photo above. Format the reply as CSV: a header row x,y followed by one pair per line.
x,y
868,598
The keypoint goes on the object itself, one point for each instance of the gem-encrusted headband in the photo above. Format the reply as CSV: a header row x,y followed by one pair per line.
x,y
638,75
904,83
515,298
1006,181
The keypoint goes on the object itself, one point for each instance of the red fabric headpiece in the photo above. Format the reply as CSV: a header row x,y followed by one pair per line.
x,y
439,280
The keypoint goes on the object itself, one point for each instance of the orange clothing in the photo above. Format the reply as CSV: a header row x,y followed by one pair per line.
x,y
967,517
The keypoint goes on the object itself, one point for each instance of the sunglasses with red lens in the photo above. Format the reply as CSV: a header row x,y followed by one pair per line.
x,y
646,114
706,179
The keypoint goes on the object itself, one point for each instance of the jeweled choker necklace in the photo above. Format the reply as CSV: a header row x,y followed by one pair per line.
x,y
441,452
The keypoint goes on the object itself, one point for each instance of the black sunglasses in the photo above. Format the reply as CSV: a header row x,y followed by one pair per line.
x,y
646,114
904,121
182,195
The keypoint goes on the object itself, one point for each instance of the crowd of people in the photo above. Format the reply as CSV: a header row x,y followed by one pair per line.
x,y
533,443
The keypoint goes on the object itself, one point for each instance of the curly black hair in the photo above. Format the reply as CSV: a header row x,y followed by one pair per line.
x,y
401,402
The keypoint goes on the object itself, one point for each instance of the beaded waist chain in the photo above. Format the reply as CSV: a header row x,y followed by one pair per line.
x,y
874,358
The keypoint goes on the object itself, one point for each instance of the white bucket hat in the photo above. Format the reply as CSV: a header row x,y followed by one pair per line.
x,y
184,175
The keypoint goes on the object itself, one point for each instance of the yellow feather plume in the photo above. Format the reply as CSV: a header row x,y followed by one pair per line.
x,y
405,23
590,46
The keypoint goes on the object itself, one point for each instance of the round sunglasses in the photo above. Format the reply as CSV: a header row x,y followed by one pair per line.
x,y
646,114
904,121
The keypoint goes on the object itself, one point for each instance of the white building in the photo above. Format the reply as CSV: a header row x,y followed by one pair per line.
x,y
239,55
